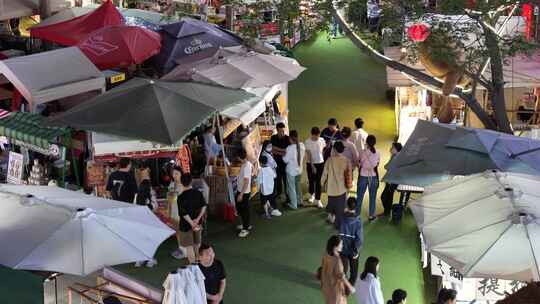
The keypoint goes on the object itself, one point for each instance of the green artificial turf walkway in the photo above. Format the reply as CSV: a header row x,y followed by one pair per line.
x,y
277,262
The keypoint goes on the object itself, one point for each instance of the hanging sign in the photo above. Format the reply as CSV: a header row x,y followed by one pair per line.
x,y
15,168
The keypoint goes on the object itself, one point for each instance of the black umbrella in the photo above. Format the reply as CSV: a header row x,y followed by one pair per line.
x,y
158,111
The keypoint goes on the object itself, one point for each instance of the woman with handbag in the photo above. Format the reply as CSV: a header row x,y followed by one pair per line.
x,y
337,178
369,177
334,284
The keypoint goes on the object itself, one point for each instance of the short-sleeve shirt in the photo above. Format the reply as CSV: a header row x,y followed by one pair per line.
x,y
213,276
315,148
328,135
282,143
190,202
122,186
245,172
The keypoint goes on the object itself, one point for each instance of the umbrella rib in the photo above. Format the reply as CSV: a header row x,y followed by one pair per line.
x,y
533,253
455,210
466,273
122,238
467,233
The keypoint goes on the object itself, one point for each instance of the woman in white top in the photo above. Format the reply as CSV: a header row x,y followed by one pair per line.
x,y
315,165
267,151
294,156
369,177
368,287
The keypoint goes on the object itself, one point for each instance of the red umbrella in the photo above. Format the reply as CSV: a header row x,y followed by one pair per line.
x,y
120,46
72,31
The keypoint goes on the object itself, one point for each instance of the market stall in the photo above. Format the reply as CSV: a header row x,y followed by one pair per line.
x,y
32,153
26,75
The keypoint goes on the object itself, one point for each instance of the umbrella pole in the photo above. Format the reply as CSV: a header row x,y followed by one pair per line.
x,y
221,132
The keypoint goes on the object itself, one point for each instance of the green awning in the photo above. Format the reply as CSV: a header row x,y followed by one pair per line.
x,y
30,129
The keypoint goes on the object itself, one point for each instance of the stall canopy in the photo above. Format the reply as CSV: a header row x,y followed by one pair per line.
x,y
77,75
70,32
237,67
12,9
157,111
29,129
191,40
248,111
436,152
64,15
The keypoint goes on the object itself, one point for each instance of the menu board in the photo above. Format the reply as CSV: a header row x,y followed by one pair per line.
x,y
15,168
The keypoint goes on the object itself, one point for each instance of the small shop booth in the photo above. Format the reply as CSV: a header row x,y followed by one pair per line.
x,y
32,153
39,80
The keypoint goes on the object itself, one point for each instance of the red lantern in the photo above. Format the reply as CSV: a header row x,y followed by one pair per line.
x,y
418,32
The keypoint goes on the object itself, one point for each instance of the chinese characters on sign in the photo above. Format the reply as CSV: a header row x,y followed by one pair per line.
x,y
469,289
15,168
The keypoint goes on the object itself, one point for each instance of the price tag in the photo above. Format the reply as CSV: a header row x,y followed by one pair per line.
x,y
118,78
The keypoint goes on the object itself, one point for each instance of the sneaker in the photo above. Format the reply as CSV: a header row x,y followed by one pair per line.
x,y
319,204
372,218
138,264
151,263
178,254
311,200
267,216
243,233
241,227
331,219
276,212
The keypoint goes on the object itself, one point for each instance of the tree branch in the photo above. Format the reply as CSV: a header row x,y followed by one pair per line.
x,y
469,99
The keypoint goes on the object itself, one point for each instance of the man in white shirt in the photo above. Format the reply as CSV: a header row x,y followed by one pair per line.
x,y
294,157
243,194
359,136
315,165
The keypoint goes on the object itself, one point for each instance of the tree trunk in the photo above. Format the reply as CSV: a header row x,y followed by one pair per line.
x,y
498,101
469,99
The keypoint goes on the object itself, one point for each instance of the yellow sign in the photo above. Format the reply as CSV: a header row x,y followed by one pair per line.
x,y
118,78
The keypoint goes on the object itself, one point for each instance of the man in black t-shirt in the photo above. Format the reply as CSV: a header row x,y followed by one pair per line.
x,y
280,142
121,184
191,209
214,274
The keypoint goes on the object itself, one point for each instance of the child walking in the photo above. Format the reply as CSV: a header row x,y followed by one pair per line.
x,y
265,182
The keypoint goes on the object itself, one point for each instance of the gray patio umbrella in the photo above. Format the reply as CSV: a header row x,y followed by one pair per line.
x,y
436,152
236,67
425,159
157,111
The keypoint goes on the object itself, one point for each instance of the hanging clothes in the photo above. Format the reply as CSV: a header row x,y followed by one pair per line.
x,y
183,158
185,286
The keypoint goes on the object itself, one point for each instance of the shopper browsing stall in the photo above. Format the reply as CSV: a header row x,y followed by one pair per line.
x,y
294,158
369,177
122,185
191,208
280,142
214,274
335,170
387,196
315,165
243,194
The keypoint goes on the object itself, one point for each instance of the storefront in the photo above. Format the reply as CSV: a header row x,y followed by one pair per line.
x,y
34,154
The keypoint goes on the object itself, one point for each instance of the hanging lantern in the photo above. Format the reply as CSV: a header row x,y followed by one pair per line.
x,y
418,32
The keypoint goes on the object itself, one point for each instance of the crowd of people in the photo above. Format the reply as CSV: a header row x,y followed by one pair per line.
x,y
331,157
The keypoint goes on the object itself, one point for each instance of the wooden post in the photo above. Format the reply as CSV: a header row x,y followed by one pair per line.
x,y
45,9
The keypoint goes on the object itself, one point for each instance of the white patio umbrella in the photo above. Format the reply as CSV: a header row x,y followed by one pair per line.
x,y
485,225
52,229
235,67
